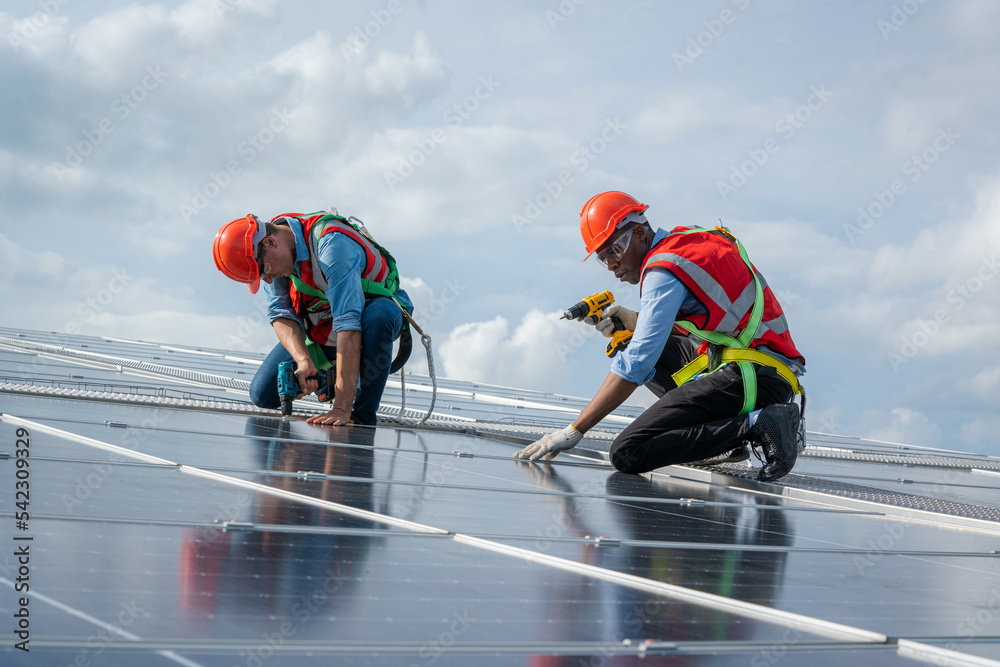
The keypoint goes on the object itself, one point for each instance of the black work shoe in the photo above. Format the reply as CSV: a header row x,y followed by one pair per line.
x,y
775,432
732,456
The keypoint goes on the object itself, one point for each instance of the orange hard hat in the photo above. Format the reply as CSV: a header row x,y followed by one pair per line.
x,y
603,214
235,250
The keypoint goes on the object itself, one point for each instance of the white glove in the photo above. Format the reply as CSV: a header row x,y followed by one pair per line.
x,y
607,327
551,444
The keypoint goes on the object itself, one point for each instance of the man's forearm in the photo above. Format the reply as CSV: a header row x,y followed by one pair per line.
x,y
291,337
612,393
348,369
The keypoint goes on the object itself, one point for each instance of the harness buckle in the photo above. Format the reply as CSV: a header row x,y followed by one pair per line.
x,y
714,357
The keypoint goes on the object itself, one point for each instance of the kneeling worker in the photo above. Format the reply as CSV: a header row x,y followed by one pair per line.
x,y
333,294
710,340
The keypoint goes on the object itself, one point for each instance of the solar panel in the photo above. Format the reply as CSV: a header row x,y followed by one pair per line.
x,y
173,523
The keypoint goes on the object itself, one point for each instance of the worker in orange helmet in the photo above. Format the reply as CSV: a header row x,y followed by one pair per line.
x,y
710,341
334,302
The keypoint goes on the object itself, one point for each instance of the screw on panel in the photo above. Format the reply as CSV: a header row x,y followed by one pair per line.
x,y
115,424
651,647
461,454
236,525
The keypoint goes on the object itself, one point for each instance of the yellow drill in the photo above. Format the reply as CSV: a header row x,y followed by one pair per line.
x,y
593,306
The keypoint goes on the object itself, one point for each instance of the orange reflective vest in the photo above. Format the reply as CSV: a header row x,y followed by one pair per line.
x,y
709,264
314,309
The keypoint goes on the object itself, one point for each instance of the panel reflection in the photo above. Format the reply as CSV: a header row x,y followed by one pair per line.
x,y
226,575
729,571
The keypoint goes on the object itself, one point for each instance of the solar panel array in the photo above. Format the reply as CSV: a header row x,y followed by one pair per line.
x,y
170,522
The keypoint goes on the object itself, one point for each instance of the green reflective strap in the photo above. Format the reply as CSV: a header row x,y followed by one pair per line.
x,y
377,289
756,313
749,386
318,356
301,286
714,337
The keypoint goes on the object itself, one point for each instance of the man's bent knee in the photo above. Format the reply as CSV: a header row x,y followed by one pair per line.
x,y
623,457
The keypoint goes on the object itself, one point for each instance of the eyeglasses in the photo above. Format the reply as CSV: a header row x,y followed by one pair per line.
x,y
617,249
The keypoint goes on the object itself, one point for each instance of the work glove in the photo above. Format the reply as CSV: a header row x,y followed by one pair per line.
x,y
607,327
551,444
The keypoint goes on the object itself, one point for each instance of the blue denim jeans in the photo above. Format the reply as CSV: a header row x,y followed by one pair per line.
x,y
381,323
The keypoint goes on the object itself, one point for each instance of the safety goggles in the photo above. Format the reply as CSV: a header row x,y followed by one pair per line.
x,y
263,268
617,249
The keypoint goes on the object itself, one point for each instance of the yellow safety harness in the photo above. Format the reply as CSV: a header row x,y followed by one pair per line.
x,y
725,349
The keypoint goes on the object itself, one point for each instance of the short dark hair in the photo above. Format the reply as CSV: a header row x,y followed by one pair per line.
x,y
272,227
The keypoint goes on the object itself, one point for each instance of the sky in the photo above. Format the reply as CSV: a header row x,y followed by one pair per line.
x,y
851,145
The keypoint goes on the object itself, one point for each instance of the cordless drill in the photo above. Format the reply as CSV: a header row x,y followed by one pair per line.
x,y
593,306
288,386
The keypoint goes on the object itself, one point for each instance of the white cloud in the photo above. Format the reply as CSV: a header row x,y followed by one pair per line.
x,y
981,435
528,356
110,46
986,381
17,262
900,425
395,74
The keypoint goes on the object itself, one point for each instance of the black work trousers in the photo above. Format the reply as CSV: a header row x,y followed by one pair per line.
x,y
696,421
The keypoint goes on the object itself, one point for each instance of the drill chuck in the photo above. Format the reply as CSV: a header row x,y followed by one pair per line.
x,y
579,310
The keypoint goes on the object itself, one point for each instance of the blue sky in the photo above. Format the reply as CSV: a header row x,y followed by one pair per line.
x,y
851,145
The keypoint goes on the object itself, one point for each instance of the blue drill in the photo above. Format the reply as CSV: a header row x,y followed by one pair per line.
x,y
288,386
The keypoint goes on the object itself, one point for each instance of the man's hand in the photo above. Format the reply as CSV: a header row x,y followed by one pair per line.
x,y
607,327
305,373
551,444
335,417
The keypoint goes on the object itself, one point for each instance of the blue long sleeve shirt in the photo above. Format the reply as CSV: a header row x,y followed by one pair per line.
x,y
342,261
663,296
